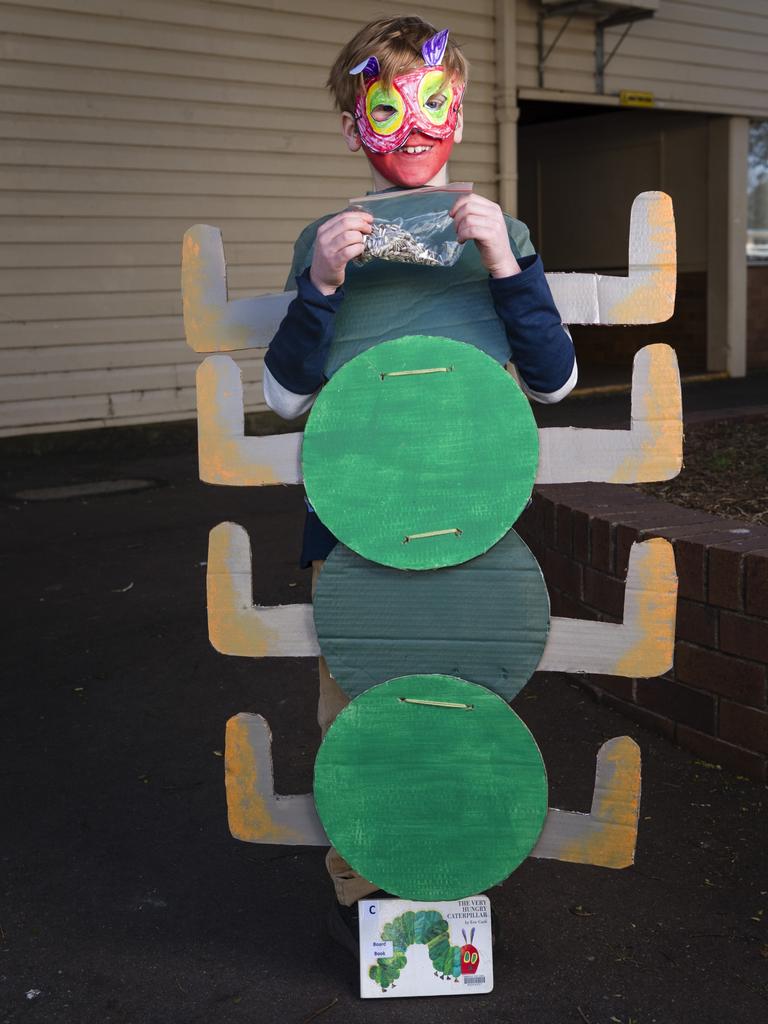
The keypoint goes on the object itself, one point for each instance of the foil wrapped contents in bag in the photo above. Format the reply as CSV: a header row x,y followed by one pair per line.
x,y
413,226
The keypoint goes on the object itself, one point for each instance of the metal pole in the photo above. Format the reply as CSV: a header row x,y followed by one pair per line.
x,y
599,58
540,38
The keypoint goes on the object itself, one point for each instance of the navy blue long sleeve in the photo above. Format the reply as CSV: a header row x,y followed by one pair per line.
x,y
297,354
542,349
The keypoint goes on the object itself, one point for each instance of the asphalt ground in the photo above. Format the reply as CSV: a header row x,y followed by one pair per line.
x,y
126,900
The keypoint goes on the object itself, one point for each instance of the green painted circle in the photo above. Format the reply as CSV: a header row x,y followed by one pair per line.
x,y
485,620
430,802
390,453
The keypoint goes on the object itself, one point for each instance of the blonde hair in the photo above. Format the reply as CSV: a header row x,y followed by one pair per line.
x,y
396,43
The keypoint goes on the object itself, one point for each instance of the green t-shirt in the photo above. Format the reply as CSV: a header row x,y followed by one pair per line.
x,y
385,300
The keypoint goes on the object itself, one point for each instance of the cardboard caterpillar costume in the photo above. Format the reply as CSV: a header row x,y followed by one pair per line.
x,y
419,454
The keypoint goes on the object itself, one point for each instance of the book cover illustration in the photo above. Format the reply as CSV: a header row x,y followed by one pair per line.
x,y
409,948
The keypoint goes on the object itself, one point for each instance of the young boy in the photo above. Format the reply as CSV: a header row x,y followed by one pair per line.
x,y
399,84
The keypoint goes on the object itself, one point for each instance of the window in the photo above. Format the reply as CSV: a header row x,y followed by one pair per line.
x,y
757,193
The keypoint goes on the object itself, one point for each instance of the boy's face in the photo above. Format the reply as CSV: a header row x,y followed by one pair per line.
x,y
408,130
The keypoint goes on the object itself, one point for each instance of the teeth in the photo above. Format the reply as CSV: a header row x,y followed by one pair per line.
x,y
417,149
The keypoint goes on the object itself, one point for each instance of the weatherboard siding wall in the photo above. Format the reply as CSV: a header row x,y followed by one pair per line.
x,y
706,55
120,131
121,126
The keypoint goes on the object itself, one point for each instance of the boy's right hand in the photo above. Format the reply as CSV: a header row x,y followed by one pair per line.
x,y
338,241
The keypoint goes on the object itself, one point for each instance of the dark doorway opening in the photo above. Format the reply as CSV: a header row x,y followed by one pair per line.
x,y
580,167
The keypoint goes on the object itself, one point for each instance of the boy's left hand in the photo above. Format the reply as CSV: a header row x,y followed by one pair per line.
x,y
479,219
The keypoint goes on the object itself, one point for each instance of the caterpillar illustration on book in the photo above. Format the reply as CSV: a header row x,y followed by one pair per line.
x,y
430,928
419,454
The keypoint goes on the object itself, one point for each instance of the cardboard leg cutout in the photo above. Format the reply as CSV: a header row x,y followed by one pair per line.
x,y
226,455
643,645
647,295
235,624
214,323
256,813
651,450
605,837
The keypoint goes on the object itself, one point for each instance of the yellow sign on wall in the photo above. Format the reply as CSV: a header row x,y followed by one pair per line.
x,y
633,98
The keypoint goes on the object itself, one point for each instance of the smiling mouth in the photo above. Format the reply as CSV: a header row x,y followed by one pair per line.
x,y
415,150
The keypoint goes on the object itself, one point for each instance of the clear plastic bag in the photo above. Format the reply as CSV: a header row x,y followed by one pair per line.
x,y
413,226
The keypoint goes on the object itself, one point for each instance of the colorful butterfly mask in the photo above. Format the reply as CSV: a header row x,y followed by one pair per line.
x,y
424,100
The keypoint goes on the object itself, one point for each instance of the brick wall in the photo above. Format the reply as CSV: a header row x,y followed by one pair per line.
x,y
757,317
713,702
686,332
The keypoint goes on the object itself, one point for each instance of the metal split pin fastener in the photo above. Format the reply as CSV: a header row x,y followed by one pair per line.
x,y
437,703
415,373
431,533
